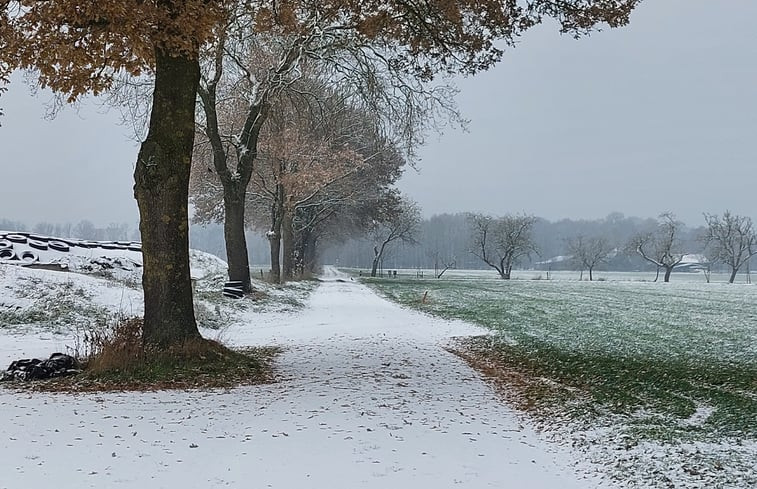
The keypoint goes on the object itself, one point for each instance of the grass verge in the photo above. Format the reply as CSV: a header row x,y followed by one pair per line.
x,y
119,362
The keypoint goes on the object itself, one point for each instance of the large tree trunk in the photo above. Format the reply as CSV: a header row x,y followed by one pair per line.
x,y
274,236
161,187
733,275
591,275
310,253
306,252
234,235
274,241
668,271
287,238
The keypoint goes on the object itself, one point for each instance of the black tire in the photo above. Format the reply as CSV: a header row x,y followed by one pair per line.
x,y
59,246
109,246
29,256
233,292
236,284
7,254
5,244
40,245
38,237
134,247
16,238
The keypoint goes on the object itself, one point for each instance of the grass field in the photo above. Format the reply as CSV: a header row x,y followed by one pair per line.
x,y
651,363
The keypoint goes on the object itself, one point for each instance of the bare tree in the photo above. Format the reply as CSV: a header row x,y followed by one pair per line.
x,y
442,264
502,242
731,240
86,230
44,228
661,247
398,221
588,252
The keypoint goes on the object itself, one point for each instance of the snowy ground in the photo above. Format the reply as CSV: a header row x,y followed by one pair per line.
x,y
366,398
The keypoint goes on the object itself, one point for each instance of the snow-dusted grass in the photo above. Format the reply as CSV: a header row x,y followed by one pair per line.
x,y
62,301
631,365
55,310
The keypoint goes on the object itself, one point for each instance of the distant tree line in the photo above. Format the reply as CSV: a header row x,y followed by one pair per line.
x,y
83,229
615,242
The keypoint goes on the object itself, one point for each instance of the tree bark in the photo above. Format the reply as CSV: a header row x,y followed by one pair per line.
x,y
668,270
591,276
287,238
274,238
234,235
274,242
378,254
161,188
734,271
308,251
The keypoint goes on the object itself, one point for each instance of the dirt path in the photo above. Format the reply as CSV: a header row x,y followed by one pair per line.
x,y
368,398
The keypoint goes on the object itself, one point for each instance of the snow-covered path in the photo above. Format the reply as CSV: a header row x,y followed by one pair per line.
x,y
368,398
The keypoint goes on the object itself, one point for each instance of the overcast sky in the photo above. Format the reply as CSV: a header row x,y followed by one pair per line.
x,y
660,115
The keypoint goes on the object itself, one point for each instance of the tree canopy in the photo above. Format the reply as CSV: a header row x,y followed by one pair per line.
x,y
76,47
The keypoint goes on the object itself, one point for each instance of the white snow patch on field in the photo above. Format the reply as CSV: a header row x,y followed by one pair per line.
x,y
700,416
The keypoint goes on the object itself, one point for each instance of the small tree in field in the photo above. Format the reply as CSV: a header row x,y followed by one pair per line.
x,y
731,239
442,264
398,220
502,242
589,252
661,247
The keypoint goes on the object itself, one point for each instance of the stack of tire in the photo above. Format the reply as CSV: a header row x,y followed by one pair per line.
x,y
8,253
233,289
42,243
22,248
6,248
